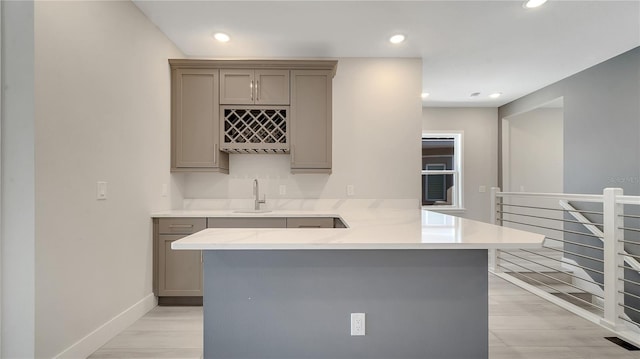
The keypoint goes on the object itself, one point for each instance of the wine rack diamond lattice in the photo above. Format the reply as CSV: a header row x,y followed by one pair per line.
x,y
255,130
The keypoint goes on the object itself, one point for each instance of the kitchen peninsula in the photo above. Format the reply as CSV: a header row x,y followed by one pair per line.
x,y
420,277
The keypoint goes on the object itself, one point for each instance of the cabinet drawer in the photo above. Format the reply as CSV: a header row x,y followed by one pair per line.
x,y
246,222
181,225
310,222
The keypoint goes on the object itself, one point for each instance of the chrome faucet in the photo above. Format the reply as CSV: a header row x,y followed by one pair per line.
x,y
256,193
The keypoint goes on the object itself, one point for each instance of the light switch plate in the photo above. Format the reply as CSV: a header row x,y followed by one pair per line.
x,y
350,190
283,189
101,190
482,189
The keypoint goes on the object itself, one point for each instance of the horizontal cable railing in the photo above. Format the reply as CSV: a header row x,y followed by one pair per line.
x,y
589,262
628,248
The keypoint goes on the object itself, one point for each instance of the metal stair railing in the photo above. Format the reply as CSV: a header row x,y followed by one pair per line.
x,y
583,265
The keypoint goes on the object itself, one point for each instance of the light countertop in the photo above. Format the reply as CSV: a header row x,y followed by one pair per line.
x,y
226,213
369,228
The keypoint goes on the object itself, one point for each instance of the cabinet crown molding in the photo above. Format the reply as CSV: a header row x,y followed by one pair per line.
x,y
256,64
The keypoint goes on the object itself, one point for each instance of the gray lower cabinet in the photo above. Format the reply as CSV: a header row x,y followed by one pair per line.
x,y
311,121
310,222
238,222
178,273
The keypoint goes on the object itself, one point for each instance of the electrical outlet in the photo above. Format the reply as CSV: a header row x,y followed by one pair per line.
x,y
165,190
283,189
357,324
101,190
482,189
350,190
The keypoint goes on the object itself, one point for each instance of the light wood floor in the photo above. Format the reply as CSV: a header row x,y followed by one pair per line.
x,y
521,325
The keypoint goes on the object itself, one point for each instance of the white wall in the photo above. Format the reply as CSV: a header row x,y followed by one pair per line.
x,y
102,114
18,205
533,162
376,142
596,123
536,151
480,150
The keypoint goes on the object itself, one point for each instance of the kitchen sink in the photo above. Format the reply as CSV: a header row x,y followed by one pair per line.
x,y
252,211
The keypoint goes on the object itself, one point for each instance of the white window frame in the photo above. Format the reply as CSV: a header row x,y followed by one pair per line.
x,y
457,204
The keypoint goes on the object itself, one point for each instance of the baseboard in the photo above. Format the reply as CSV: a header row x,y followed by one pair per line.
x,y
94,340
180,301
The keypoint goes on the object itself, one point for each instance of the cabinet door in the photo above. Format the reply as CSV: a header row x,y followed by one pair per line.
x,y
310,121
236,87
272,87
180,271
196,121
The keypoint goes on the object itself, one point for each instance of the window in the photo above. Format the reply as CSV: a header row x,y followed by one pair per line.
x,y
442,170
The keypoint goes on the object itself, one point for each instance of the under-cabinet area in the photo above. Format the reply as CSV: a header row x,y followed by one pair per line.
x,y
177,274
251,106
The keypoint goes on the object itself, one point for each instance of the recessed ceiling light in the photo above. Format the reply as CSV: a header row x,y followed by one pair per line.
x,y
530,4
396,39
495,94
424,95
221,36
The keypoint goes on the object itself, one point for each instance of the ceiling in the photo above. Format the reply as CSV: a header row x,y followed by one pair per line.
x,y
465,46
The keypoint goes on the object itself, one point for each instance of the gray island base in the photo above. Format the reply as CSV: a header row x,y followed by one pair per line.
x,y
296,304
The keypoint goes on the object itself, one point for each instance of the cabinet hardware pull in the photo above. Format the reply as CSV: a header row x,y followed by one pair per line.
x,y
180,225
257,90
251,89
309,226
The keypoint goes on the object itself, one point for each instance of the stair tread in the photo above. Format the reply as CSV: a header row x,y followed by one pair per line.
x,y
560,288
550,277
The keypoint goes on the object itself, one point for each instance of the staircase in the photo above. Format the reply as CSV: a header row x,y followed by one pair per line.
x,y
543,269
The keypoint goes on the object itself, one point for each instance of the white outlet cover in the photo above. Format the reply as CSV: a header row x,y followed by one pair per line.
x,y
358,324
283,189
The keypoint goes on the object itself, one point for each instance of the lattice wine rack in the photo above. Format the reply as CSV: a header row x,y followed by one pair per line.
x,y
261,129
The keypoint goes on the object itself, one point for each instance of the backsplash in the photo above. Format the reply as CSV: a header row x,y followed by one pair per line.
x,y
302,204
271,170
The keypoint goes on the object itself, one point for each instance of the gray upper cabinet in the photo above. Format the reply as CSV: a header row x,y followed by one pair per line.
x,y
195,122
311,121
298,92
254,87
